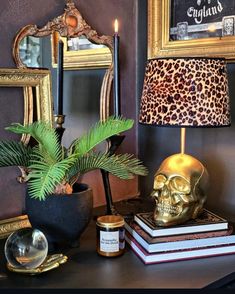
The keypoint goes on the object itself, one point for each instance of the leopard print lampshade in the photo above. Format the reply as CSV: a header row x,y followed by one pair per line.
x,y
185,92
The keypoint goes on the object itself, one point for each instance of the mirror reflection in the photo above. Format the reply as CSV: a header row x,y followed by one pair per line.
x,y
30,52
81,101
88,66
82,43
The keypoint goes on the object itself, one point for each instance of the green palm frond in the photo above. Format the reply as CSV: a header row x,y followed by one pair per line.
x,y
44,134
100,132
44,178
123,166
51,166
13,153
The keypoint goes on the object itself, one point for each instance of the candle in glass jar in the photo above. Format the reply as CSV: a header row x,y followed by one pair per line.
x,y
60,77
117,106
110,235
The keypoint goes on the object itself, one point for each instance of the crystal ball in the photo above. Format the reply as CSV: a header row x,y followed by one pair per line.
x,y
26,248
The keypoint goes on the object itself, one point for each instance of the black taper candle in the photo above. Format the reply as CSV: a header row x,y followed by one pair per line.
x,y
60,77
117,101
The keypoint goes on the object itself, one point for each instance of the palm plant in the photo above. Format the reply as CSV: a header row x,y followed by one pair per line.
x,y
50,168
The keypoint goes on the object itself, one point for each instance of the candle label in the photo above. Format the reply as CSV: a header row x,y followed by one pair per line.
x,y
109,241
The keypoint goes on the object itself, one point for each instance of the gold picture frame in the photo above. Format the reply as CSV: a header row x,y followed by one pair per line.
x,y
35,83
80,59
160,45
29,79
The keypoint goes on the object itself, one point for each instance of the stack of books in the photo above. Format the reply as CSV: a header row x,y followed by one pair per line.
x,y
208,235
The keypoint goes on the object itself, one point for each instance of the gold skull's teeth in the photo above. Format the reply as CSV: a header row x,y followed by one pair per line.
x,y
167,208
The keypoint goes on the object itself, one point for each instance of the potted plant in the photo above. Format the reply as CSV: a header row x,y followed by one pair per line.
x,y
52,174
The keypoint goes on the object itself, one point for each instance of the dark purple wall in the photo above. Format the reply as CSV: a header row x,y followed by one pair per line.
x,y
100,14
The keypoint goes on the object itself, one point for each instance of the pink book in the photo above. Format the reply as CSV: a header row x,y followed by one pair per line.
x,y
177,255
176,242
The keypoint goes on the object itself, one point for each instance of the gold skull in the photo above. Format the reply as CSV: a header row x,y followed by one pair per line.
x,y
180,187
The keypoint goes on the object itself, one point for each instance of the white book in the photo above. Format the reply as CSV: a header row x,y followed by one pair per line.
x,y
206,221
177,255
184,241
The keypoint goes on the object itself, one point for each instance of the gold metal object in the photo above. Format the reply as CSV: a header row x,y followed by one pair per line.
x,y
180,190
159,44
110,221
29,79
59,120
11,225
39,103
71,24
51,262
183,135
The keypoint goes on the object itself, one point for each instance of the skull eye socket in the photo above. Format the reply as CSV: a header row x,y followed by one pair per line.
x,y
181,185
159,182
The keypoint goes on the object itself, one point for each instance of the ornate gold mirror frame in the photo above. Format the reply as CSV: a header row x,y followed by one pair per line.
x,y
160,45
36,85
71,24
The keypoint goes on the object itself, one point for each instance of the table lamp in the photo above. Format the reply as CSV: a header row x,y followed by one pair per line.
x,y
183,92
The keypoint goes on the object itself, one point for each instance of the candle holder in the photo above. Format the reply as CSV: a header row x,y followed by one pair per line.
x,y
114,142
59,120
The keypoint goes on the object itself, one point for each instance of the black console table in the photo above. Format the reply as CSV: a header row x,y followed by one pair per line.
x,y
85,269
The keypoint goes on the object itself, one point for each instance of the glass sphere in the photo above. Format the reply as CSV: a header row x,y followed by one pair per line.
x,y
26,248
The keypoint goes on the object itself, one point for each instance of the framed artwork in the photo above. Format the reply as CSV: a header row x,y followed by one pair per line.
x,y
36,87
191,28
80,53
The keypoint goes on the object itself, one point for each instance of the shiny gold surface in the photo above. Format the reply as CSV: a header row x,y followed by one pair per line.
x,y
110,221
159,44
11,225
111,254
28,79
180,187
59,120
51,262
182,140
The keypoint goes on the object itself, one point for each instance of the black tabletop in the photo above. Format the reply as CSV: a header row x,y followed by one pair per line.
x,y
85,269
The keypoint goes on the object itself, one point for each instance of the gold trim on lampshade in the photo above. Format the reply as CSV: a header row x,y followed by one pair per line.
x,y
185,92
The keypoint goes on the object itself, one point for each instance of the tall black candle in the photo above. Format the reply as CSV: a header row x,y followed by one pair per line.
x,y
117,102
60,77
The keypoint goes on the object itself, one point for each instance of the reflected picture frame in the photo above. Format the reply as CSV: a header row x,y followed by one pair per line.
x,y
160,45
89,58
34,83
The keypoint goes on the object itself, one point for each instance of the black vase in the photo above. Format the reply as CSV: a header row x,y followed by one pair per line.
x,y
62,218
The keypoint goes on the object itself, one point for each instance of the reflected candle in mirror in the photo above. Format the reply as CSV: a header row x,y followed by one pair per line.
x,y
117,104
60,77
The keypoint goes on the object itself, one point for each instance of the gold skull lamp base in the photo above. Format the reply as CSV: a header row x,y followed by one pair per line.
x,y
180,189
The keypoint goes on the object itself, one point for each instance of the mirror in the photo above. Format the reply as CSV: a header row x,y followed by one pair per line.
x,y
83,49
79,52
88,74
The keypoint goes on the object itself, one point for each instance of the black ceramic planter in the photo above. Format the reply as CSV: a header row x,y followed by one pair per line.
x,y
62,218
